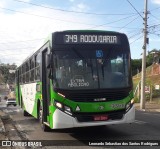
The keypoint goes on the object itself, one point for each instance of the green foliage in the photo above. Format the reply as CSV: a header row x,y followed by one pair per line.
x,y
7,77
152,57
136,65
136,100
149,60
156,93
5,73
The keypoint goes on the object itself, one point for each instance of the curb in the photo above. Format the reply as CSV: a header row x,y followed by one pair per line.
x,y
149,107
2,128
3,135
4,132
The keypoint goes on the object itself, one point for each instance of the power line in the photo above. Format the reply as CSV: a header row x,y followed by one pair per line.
x,y
15,42
64,20
136,40
155,34
135,34
70,11
21,41
45,16
14,54
20,48
156,30
134,8
154,17
155,9
131,28
153,26
110,22
129,23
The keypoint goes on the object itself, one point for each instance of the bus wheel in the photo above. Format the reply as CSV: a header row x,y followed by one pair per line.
x,y
44,127
25,113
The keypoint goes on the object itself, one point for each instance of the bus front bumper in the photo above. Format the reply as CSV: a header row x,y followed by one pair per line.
x,y
62,120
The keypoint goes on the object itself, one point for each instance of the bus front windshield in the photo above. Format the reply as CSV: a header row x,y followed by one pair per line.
x,y
91,68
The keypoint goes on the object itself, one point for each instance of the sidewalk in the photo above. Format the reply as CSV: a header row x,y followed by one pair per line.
x,y
2,128
149,107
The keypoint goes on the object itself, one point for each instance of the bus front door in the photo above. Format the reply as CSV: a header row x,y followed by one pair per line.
x,y
45,85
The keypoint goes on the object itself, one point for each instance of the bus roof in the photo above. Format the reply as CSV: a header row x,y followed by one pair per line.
x,y
93,31
50,37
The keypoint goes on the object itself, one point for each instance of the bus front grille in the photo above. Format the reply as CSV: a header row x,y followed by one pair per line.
x,y
92,97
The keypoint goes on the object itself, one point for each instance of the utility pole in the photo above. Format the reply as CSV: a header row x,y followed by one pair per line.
x,y
143,74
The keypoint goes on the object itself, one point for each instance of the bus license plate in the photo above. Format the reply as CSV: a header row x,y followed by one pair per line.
x,y
100,117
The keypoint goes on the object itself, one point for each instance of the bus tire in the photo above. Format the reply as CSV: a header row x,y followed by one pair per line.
x,y
44,127
21,104
25,113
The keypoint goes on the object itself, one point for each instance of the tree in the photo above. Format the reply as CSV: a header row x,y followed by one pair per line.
x,y
6,76
154,55
136,65
4,72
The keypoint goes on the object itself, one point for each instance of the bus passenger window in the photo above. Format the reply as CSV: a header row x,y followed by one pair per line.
x,y
37,59
37,73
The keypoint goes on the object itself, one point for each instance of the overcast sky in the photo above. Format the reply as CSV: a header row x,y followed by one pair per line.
x,y
24,24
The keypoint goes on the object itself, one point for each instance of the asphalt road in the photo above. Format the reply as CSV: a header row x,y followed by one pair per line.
x,y
146,127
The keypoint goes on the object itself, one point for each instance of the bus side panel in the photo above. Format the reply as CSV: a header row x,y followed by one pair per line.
x,y
37,100
28,98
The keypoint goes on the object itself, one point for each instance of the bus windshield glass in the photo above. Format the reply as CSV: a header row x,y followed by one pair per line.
x,y
91,67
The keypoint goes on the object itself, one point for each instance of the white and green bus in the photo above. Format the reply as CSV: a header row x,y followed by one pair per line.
x,y
78,78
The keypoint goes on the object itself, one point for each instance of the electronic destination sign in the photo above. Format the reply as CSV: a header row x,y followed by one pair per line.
x,y
92,39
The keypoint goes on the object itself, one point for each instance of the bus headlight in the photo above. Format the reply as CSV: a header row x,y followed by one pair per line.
x,y
58,105
132,101
63,108
67,110
129,105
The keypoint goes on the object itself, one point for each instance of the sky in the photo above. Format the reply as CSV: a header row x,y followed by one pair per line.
x,y
24,24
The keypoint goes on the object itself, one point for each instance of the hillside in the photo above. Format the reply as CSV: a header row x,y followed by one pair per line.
x,y
152,74
6,73
152,79
1,78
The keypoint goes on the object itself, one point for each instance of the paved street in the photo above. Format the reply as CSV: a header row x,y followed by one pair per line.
x,y
146,127
79,63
